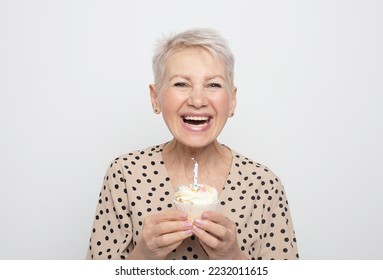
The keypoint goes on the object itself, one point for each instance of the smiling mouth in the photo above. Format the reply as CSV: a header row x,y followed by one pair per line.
x,y
196,120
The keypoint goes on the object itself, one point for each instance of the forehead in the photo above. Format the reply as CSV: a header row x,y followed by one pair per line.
x,y
193,60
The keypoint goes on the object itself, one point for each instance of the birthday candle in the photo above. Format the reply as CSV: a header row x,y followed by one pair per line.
x,y
195,179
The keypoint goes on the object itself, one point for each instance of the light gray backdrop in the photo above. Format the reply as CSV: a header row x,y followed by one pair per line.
x,y
74,79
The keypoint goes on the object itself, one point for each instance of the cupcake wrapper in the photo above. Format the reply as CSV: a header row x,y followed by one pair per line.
x,y
195,210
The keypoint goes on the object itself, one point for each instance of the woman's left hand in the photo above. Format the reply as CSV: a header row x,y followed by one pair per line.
x,y
218,236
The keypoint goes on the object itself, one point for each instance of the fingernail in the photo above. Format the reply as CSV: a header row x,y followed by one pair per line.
x,y
195,229
188,224
199,221
205,215
188,232
183,215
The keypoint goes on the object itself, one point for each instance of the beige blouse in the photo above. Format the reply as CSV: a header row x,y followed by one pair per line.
x,y
137,185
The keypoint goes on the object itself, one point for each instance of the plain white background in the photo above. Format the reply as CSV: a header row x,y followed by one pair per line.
x,y
74,79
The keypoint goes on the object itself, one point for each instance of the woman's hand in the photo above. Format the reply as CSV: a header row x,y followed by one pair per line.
x,y
218,236
161,234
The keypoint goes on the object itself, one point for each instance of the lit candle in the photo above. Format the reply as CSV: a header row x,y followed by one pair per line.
x,y
195,179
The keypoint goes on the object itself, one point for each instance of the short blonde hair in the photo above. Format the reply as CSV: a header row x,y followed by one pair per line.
x,y
208,39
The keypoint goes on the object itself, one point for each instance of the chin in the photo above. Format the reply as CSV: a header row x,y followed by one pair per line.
x,y
196,142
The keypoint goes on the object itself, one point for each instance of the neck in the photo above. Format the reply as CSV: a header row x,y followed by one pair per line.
x,y
214,163
176,151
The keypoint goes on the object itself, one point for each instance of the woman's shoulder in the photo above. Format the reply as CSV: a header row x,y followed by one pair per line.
x,y
149,154
247,167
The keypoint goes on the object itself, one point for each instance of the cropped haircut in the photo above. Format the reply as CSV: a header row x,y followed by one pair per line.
x,y
208,39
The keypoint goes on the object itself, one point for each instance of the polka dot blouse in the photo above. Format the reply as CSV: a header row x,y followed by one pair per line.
x,y
137,185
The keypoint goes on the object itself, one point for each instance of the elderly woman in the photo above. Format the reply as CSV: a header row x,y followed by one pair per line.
x,y
136,217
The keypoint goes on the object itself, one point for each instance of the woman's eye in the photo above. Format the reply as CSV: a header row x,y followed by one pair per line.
x,y
180,84
215,85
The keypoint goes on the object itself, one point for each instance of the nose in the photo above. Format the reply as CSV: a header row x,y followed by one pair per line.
x,y
197,97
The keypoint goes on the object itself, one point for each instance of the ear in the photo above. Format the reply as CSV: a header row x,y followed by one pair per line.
x,y
154,99
233,103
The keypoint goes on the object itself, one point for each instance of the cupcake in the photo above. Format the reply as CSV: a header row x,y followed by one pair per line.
x,y
195,200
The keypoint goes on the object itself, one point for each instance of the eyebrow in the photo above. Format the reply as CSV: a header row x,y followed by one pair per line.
x,y
188,78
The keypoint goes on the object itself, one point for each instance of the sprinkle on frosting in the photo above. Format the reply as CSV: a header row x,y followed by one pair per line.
x,y
201,195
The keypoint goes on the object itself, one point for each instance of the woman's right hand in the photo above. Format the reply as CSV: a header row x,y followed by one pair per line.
x,y
161,234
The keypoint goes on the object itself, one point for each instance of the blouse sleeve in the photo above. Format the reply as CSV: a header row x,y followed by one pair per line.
x,y
277,231
111,236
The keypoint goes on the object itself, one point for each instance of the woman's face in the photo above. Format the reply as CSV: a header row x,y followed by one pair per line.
x,y
195,97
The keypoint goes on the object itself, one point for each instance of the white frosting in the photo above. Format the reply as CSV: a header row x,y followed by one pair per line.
x,y
201,195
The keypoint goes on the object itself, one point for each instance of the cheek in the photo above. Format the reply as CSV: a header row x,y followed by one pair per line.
x,y
171,100
163,100
222,103
169,104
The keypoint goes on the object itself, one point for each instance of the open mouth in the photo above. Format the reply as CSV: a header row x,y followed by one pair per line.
x,y
196,120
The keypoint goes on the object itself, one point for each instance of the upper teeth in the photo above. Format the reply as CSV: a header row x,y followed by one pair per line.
x,y
196,118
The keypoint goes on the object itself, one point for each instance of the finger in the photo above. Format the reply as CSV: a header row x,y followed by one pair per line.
x,y
217,218
172,238
164,251
171,226
174,215
206,238
218,230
